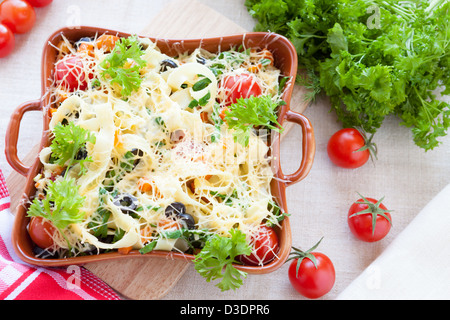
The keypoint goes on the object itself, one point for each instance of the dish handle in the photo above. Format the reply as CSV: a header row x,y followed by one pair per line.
x,y
308,148
13,135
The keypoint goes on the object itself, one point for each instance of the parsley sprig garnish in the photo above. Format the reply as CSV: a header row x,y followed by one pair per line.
x,y
61,205
68,141
216,259
122,66
251,112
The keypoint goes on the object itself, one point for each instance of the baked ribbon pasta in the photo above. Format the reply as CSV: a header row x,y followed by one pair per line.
x,y
155,156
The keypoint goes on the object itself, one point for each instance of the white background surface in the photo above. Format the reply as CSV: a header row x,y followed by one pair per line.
x,y
407,176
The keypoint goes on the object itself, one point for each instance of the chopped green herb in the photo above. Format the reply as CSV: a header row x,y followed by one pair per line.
x,y
193,104
201,84
204,100
159,121
148,247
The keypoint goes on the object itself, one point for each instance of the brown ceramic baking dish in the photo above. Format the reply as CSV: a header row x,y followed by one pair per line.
x,y
285,59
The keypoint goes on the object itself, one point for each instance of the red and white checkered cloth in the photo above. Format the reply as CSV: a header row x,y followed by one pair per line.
x,y
21,281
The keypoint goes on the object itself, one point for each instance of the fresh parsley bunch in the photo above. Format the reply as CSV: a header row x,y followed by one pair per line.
x,y
371,58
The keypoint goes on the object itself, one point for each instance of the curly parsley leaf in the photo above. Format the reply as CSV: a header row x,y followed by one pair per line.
x,y
62,204
68,141
122,66
215,260
251,112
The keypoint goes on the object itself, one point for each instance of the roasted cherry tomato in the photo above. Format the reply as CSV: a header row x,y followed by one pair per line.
x,y
70,73
240,86
39,3
18,15
41,232
7,41
369,220
349,148
312,274
265,247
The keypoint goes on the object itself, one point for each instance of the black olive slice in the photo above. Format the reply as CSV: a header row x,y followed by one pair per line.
x,y
82,40
175,209
201,60
81,154
126,203
167,63
187,221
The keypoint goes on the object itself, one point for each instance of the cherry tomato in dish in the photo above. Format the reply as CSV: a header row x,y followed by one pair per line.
x,y
39,3
18,15
349,148
240,86
265,247
70,73
312,274
41,232
7,41
369,220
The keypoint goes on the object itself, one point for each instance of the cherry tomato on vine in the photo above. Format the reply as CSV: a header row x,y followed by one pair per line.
x,y
349,148
41,232
265,245
7,41
18,15
70,74
369,220
312,274
39,3
242,85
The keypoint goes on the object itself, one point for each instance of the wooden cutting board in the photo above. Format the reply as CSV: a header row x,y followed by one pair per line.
x,y
152,278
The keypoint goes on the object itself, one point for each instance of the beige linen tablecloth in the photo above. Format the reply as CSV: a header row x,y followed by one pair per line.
x,y
407,176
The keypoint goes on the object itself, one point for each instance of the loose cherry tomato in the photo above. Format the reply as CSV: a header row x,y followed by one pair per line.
x,y
7,41
369,220
18,15
39,3
240,86
311,274
69,72
265,247
41,232
349,148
